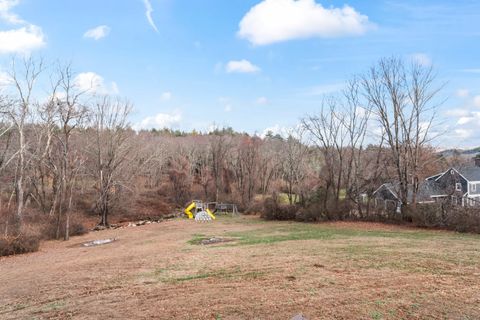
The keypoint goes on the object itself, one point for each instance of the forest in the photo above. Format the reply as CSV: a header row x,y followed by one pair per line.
x,y
70,159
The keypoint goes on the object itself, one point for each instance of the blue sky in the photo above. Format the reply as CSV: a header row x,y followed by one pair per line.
x,y
249,64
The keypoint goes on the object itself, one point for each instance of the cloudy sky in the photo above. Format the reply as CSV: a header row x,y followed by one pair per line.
x,y
250,64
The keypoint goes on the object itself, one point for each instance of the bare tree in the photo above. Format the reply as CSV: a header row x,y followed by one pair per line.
x,y
355,121
328,133
71,113
204,167
220,144
22,80
293,163
269,162
244,164
111,150
402,100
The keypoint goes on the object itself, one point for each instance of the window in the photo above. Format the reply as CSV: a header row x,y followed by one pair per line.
x,y
474,187
458,186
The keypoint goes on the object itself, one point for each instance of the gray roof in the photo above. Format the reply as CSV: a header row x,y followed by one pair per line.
x,y
426,189
471,173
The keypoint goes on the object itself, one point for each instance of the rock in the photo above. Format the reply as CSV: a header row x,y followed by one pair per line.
x,y
99,228
100,242
214,240
299,317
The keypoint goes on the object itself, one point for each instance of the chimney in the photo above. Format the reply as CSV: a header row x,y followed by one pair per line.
x,y
477,160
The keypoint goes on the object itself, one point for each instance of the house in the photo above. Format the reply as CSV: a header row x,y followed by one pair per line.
x,y
387,195
460,185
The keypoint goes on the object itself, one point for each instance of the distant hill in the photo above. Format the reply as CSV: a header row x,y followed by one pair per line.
x,y
468,152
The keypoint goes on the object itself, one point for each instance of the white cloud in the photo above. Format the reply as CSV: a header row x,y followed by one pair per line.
x,y
464,123
463,133
457,112
166,96
114,88
476,101
228,108
273,21
261,101
462,93
148,14
97,33
274,130
160,121
422,59
241,66
5,13
93,83
23,39
5,79
464,120
278,129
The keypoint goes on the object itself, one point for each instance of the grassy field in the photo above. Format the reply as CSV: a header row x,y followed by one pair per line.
x,y
265,270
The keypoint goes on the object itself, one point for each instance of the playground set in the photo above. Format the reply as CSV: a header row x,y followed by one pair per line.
x,y
205,211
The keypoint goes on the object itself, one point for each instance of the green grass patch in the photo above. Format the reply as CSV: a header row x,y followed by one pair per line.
x,y
298,231
197,238
165,275
53,306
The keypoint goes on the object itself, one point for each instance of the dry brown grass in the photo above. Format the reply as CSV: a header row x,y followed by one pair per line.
x,y
273,270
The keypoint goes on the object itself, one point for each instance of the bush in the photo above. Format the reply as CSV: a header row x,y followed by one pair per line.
x,y
22,243
444,215
426,215
272,210
254,208
49,228
462,219
312,213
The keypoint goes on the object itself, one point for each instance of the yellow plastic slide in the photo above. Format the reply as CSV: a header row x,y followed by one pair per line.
x,y
188,210
210,214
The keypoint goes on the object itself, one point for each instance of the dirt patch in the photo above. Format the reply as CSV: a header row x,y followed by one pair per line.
x,y
211,240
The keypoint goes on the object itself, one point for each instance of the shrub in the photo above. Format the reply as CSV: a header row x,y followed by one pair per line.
x,y
22,243
148,205
254,208
272,210
426,215
462,219
309,214
444,215
49,228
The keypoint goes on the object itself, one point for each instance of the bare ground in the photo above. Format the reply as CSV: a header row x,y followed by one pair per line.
x,y
271,270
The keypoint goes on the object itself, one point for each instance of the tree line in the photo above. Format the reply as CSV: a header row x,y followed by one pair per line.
x,y
73,146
